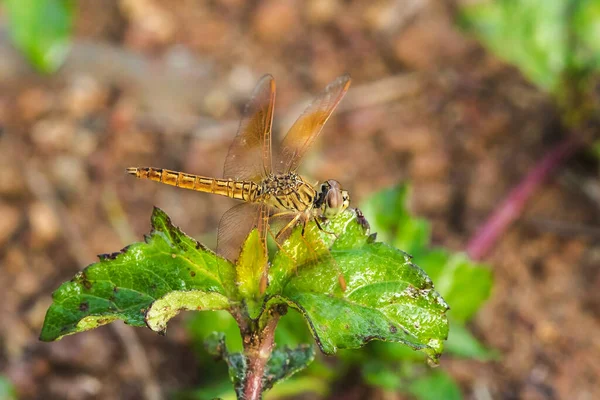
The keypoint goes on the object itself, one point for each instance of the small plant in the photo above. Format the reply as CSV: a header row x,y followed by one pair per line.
x,y
387,298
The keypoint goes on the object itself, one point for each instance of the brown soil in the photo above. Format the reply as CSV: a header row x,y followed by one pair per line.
x,y
161,83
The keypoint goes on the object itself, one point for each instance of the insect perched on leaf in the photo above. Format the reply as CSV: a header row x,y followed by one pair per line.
x,y
269,185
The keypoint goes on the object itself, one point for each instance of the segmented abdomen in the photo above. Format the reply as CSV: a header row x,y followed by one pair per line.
x,y
241,190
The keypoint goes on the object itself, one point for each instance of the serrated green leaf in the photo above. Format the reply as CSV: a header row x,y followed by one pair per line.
x,y
463,344
167,273
41,29
282,364
172,303
435,386
387,297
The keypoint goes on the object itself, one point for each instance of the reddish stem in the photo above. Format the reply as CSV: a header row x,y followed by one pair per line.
x,y
512,207
258,345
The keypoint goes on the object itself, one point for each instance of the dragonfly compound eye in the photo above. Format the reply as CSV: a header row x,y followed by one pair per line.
x,y
336,200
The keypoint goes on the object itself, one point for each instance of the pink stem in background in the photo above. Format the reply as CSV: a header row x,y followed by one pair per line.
x,y
512,207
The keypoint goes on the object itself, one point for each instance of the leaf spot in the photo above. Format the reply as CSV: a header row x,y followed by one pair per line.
x,y
192,274
84,306
393,329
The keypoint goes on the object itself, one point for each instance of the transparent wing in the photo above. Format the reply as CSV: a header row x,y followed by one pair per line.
x,y
308,126
279,228
236,224
249,156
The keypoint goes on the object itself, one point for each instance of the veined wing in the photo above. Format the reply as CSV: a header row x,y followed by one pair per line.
x,y
249,156
235,225
308,126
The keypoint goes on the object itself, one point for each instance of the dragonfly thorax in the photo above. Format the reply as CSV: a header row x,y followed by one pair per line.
x,y
287,192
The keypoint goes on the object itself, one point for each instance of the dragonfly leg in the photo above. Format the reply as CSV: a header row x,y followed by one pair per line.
x,y
321,228
279,245
290,225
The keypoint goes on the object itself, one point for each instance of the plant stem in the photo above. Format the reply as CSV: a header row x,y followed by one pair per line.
x,y
258,345
512,207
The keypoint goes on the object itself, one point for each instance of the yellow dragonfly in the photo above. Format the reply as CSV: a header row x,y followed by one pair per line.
x,y
269,185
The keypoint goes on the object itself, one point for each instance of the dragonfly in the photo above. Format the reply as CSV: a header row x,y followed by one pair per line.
x,y
265,180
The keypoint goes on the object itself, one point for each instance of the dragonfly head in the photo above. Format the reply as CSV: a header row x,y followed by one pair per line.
x,y
332,199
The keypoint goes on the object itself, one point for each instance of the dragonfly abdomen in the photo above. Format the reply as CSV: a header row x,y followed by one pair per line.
x,y
241,190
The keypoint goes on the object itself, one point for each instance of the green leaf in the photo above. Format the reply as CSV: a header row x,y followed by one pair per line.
x,y
145,283
41,29
435,386
463,344
283,363
387,297
249,268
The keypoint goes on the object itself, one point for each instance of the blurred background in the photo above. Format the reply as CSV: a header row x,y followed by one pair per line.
x,y
458,105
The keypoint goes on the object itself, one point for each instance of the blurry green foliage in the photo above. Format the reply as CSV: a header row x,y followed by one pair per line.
x,y
434,386
7,391
549,41
41,29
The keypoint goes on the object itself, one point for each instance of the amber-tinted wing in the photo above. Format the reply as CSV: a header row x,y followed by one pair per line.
x,y
235,225
306,128
249,156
